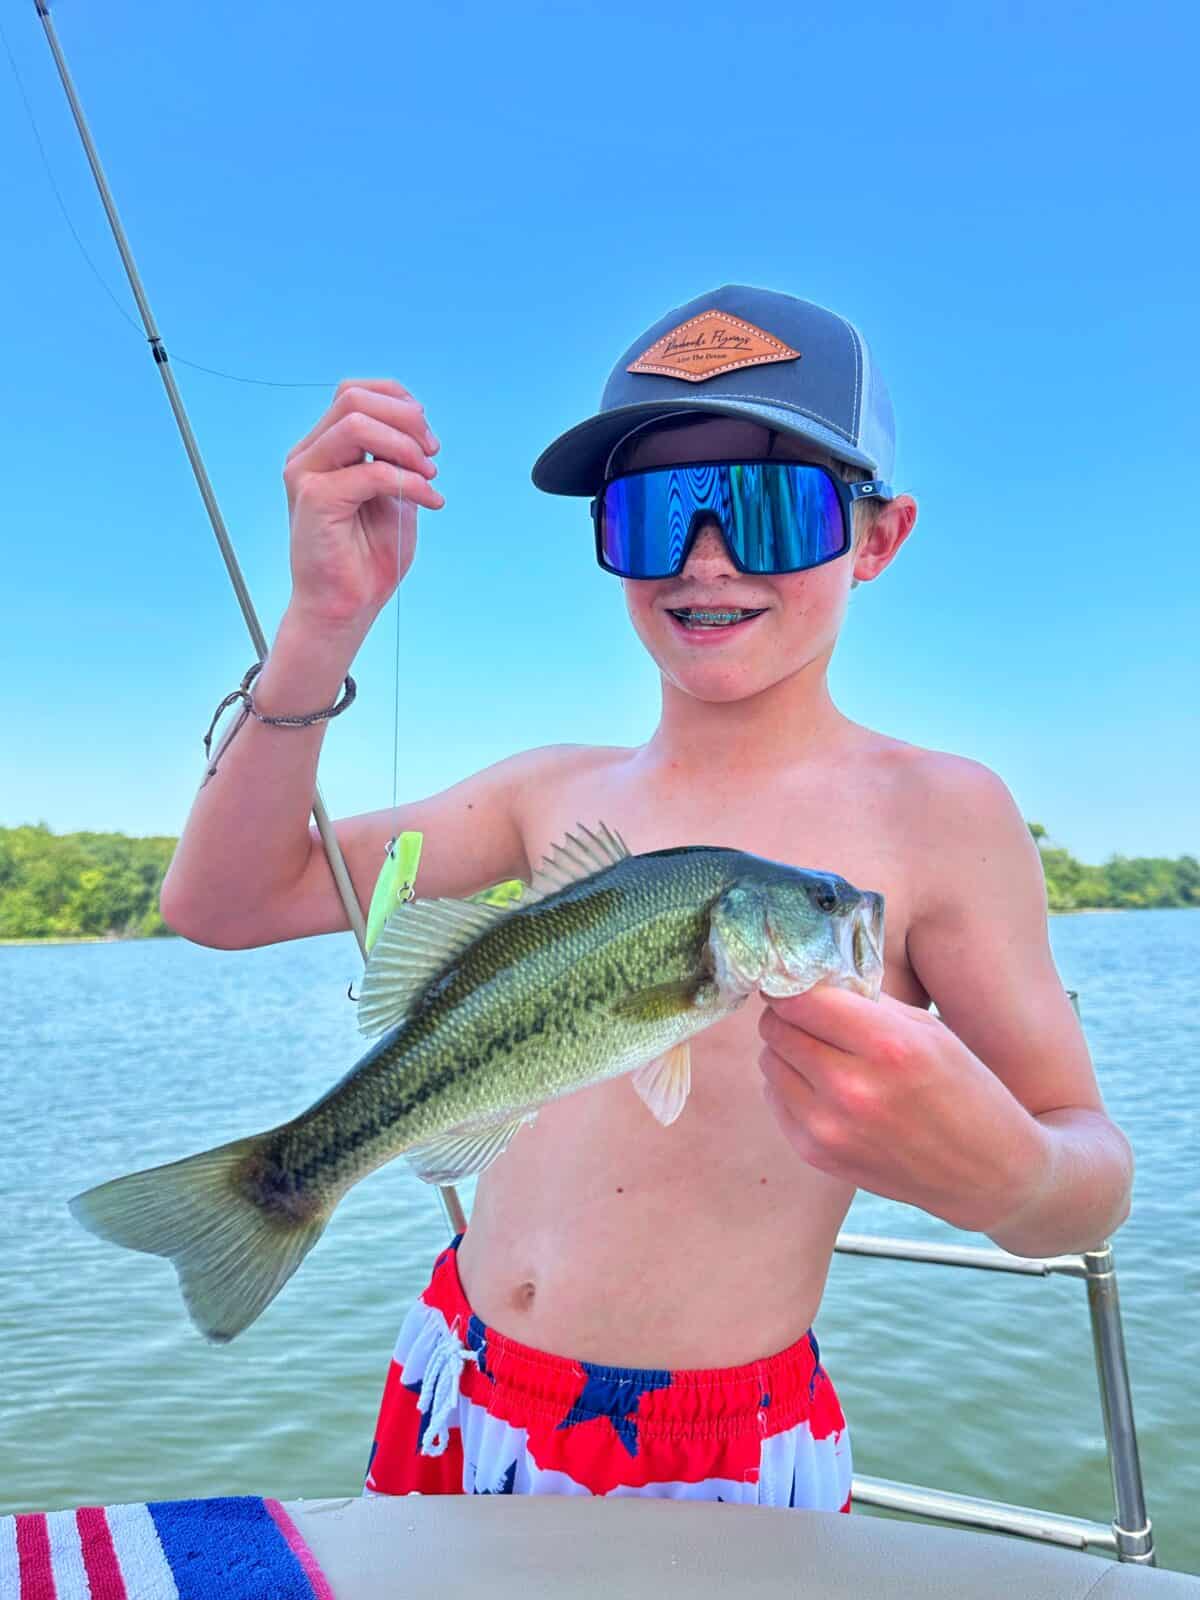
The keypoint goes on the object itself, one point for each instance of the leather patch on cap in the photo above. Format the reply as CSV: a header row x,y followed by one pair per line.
x,y
707,345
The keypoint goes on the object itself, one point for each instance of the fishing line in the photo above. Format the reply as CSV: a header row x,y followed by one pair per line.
x,y
265,383
231,377
396,682
455,1215
57,194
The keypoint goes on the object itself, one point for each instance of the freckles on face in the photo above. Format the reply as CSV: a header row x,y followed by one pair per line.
x,y
815,601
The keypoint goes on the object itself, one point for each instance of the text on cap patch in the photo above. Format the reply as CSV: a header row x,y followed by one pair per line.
x,y
709,344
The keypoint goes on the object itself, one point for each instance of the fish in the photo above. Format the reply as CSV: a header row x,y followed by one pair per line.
x,y
609,963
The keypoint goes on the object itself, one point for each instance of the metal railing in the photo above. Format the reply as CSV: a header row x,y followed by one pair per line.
x,y
1129,1536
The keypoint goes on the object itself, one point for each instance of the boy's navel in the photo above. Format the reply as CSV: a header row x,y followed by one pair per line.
x,y
524,1295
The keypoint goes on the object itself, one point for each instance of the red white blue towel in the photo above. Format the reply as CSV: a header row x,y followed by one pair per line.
x,y
239,1548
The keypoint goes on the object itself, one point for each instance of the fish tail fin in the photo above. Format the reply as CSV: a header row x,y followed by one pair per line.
x,y
231,1225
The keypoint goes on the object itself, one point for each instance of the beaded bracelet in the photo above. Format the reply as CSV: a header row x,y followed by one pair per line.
x,y
249,709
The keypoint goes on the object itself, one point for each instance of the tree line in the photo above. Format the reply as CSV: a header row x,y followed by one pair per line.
x,y
1123,883
71,885
105,885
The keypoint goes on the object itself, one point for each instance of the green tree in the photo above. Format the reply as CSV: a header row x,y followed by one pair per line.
x,y
65,885
1123,882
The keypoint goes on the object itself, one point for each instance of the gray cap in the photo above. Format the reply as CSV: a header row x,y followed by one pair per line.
x,y
738,352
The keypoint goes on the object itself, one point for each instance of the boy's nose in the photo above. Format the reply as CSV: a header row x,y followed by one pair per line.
x,y
710,549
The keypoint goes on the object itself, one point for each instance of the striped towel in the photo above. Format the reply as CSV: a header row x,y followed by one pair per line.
x,y
240,1548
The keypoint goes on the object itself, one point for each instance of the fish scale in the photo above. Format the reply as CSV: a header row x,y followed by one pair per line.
x,y
608,965
537,991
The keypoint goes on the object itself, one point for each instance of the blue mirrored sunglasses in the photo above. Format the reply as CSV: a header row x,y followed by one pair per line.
x,y
776,516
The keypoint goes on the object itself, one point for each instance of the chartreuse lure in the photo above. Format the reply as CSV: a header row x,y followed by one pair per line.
x,y
480,1014
397,881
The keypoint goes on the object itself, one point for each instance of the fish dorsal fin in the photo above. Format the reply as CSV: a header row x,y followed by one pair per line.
x,y
417,941
665,1082
577,857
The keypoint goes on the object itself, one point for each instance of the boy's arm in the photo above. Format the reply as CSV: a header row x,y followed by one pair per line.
x,y
248,869
471,839
989,1115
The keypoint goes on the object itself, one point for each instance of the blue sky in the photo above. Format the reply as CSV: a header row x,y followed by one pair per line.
x,y
489,204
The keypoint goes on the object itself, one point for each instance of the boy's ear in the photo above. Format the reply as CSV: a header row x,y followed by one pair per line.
x,y
888,530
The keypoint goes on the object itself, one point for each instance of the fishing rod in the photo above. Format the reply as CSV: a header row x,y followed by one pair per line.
x,y
455,1216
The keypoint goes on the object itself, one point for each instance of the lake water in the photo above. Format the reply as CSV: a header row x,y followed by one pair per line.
x,y
121,1056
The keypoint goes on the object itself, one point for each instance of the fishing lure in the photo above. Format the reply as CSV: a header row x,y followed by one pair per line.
x,y
397,879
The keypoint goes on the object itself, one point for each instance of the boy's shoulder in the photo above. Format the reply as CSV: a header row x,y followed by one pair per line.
x,y
949,812
557,764
945,790
960,827
550,776
952,785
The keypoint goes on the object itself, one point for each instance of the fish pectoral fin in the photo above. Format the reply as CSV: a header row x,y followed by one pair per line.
x,y
664,1082
664,1003
463,1151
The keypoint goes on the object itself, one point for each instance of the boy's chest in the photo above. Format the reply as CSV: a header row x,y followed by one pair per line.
x,y
820,823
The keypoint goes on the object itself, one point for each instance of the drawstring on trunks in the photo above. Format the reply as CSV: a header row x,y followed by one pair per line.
x,y
440,1388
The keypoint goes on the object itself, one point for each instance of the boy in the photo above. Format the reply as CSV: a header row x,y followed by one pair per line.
x,y
630,1308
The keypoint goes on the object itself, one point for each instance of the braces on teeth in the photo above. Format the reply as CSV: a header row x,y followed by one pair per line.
x,y
704,618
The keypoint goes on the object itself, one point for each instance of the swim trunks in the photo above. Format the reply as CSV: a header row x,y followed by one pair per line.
x,y
467,1410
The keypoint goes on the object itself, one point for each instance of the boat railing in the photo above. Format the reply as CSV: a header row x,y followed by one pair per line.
x,y
1129,1536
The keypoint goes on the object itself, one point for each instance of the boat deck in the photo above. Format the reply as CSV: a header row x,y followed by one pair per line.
x,y
534,1548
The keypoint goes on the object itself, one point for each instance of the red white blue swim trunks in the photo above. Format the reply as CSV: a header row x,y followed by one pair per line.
x,y
468,1411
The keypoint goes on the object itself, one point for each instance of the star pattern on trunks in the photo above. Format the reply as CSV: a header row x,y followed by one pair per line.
x,y
818,1370
507,1484
477,1340
614,1393
520,1436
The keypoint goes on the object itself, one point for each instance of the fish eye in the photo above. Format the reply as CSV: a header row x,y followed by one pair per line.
x,y
825,899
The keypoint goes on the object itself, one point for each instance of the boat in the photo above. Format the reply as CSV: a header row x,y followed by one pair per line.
x,y
371,1547
428,1546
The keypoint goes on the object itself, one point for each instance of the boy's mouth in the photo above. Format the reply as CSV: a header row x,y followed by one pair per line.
x,y
692,617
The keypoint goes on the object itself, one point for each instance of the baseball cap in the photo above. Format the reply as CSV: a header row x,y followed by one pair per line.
x,y
741,352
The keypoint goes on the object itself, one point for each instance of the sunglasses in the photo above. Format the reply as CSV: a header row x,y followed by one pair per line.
x,y
776,516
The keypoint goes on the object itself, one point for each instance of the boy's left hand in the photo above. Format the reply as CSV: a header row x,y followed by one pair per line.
x,y
883,1095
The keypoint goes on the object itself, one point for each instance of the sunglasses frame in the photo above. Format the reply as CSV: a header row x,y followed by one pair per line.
x,y
847,494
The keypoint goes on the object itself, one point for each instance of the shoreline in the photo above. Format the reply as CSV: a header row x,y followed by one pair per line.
x,y
86,938
148,938
1106,911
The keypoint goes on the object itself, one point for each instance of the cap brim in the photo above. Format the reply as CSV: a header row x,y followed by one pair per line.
x,y
575,462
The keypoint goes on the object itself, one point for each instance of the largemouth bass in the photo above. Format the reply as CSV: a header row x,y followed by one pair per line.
x,y
608,964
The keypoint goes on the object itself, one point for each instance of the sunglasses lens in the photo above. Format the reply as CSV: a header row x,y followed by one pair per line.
x,y
775,517
643,525
785,518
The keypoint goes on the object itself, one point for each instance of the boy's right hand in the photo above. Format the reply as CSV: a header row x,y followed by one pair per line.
x,y
354,521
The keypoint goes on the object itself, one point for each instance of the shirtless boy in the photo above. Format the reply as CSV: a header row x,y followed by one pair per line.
x,y
629,1308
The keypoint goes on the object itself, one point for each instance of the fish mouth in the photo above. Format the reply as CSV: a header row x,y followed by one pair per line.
x,y
864,947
